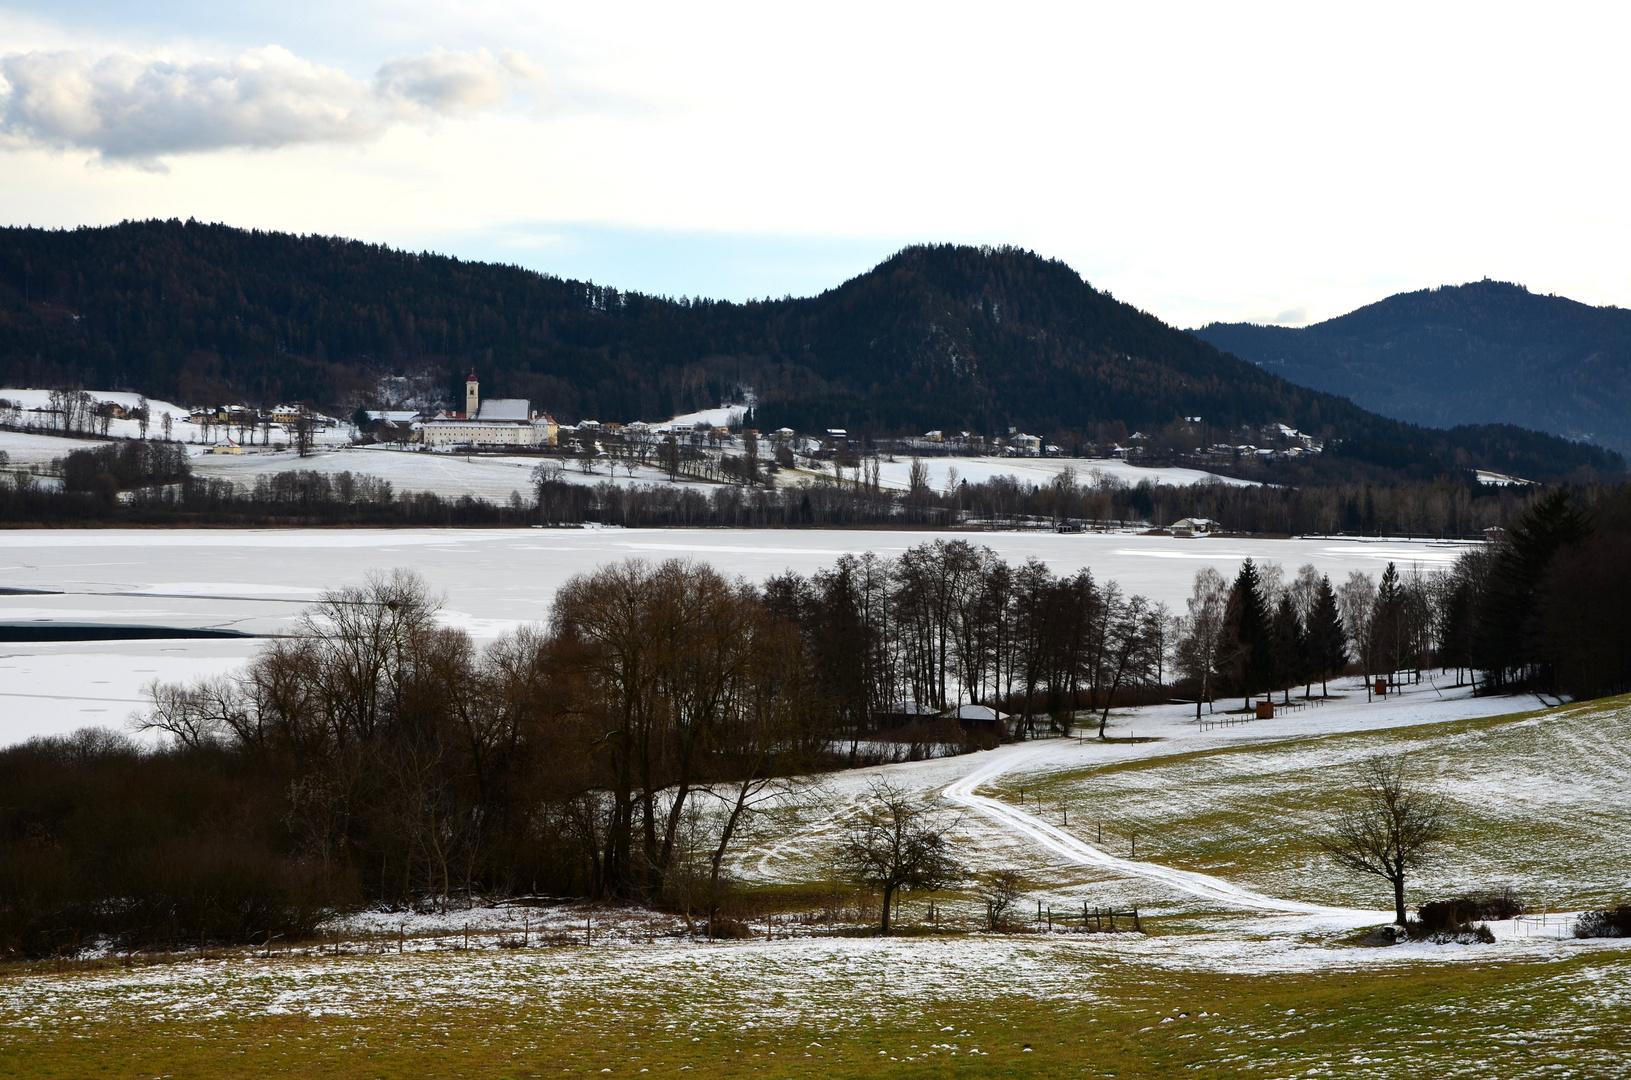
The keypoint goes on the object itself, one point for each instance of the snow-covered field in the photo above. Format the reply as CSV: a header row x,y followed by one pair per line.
x,y
30,399
491,477
1195,819
495,477
24,449
1042,471
256,581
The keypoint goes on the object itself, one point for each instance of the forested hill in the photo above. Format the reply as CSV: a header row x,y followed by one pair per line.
x,y
1487,352
935,337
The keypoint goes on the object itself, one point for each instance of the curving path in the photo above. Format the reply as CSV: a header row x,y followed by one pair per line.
x,y
1056,840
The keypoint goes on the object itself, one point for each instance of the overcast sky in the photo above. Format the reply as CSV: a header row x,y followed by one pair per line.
x,y
1280,163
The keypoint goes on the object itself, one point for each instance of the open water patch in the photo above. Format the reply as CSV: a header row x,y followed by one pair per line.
x,y
65,631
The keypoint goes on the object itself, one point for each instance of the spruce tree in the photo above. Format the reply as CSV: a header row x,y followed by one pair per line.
x,y
1327,641
1505,641
1290,646
1250,633
1388,622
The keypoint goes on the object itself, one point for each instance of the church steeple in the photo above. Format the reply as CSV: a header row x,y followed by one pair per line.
x,y
472,396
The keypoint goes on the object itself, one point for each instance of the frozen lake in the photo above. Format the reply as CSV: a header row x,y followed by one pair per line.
x,y
256,581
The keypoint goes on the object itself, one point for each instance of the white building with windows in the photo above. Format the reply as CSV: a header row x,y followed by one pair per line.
x,y
496,424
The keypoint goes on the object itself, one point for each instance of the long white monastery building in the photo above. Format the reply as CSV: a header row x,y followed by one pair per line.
x,y
500,422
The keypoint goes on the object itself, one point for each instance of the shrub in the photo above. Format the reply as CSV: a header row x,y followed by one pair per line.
x,y
1461,920
1500,903
1612,922
999,890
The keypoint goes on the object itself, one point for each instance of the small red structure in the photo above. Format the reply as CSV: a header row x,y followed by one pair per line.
x,y
1265,710
1381,687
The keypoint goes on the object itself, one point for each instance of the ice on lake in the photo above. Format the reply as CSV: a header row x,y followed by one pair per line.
x,y
257,581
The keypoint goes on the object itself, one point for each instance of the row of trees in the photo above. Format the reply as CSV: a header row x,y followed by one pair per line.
x,y
120,466
296,497
1438,508
1543,608
949,623
374,756
1536,609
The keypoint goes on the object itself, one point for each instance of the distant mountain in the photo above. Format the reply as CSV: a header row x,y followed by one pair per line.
x,y
936,337
1487,352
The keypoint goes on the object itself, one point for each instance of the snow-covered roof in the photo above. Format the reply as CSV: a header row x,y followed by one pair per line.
x,y
503,409
983,713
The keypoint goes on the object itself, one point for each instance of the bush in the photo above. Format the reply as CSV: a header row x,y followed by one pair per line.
x,y
1500,904
1471,907
1461,920
1612,922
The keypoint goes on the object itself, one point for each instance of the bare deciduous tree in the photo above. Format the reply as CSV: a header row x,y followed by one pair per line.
x,y
900,843
1392,827
1356,599
1202,635
1000,890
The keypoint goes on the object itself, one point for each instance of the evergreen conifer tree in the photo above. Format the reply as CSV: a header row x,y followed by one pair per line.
x,y
1327,641
1387,624
1290,646
1506,637
1250,634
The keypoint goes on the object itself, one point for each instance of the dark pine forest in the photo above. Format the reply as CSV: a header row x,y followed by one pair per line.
x,y
947,337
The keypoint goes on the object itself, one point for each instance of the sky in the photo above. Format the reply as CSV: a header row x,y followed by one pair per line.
x,y
1265,162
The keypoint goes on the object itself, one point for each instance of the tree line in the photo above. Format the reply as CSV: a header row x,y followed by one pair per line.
x,y
151,482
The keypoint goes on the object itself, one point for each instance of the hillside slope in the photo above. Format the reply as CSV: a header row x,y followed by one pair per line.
x,y
935,337
1486,352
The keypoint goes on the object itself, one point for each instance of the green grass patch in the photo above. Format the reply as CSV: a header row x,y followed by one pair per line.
x,y
1538,800
1490,1020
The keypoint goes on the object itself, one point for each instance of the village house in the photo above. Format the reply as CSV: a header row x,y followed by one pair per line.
x,y
1193,527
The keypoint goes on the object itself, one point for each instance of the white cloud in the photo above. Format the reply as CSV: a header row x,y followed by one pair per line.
x,y
138,109
454,83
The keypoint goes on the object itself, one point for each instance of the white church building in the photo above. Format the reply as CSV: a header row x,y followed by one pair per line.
x,y
501,422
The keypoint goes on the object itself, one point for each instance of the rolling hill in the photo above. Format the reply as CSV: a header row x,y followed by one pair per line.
x,y
1481,353
935,337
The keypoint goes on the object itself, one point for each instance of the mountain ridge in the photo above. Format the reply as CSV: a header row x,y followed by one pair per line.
x,y
1481,352
937,336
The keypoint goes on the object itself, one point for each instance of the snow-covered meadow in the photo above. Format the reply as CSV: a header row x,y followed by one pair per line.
x,y
257,580
1189,820
945,472
496,476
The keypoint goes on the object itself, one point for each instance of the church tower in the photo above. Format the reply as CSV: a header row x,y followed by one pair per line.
x,y
472,396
